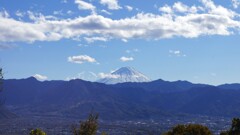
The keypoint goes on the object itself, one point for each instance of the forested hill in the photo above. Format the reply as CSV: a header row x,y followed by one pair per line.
x,y
146,100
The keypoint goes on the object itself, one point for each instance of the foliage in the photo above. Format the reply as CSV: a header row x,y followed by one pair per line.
x,y
1,86
224,133
191,129
235,128
103,133
37,132
88,127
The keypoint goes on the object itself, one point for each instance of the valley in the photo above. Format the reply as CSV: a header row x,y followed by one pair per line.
x,y
62,126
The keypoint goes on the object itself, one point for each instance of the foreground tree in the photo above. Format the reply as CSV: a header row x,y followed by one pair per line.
x,y
88,127
4,112
191,129
1,86
235,128
37,132
1,79
1,76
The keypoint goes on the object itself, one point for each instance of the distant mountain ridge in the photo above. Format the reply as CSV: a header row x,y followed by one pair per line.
x,y
124,74
162,86
131,100
235,86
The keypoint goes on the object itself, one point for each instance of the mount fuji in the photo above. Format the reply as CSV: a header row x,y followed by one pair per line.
x,y
124,74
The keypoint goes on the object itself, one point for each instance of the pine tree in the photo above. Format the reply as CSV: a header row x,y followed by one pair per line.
x,y
88,127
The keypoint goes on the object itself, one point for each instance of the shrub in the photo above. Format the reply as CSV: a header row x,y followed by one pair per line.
x,y
37,132
191,129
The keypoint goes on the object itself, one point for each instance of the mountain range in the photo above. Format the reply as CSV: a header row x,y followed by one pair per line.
x,y
129,100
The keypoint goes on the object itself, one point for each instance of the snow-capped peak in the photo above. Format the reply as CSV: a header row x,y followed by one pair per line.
x,y
124,74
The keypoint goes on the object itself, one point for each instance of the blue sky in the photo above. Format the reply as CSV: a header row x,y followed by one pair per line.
x,y
194,40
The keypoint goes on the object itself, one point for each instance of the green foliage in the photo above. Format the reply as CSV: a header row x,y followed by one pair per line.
x,y
37,132
235,128
191,129
88,127
103,133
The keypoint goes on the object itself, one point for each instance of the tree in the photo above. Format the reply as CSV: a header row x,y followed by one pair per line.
x,y
191,129
1,85
235,128
37,132
88,127
1,80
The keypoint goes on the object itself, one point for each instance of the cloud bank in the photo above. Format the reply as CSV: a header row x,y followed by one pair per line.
x,y
178,20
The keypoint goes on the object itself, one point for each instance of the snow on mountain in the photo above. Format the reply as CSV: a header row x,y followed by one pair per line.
x,y
124,74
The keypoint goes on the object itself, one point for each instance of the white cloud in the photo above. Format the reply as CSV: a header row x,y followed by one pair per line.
x,y
38,17
106,12
132,51
19,13
40,77
80,59
82,45
22,31
217,9
82,5
69,12
4,14
213,20
124,40
85,75
104,75
180,7
125,59
194,9
111,4
64,1
59,12
235,3
129,8
166,9
93,39
176,53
